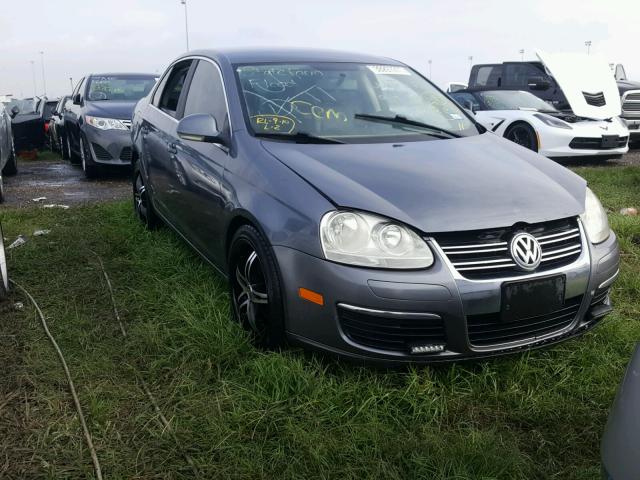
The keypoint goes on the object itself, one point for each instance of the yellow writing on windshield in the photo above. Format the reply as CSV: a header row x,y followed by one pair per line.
x,y
273,123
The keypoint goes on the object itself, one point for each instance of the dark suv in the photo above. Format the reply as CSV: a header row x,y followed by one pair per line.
x,y
98,119
534,77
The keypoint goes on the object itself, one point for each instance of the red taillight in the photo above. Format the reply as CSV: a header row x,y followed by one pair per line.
x,y
46,128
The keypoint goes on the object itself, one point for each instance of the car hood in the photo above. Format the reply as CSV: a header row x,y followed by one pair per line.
x,y
468,183
579,74
111,109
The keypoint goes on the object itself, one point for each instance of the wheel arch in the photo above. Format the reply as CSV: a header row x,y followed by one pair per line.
x,y
526,123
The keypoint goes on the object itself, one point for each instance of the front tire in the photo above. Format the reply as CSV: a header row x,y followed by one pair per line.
x,y
142,202
4,276
255,288
89,168
73,157
522,134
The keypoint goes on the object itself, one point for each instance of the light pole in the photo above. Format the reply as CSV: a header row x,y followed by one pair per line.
x,y
430,62
186,22
44,78
470,61
521,51
71,83
588,45
33,74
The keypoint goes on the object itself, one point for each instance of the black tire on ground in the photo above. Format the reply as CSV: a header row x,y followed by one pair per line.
x,y
11,168
142,204
90,169
4,276
1,190
62,146
255,288
73,157
523,134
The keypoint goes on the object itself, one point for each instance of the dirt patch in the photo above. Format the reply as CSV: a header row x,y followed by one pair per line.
x,y
63,183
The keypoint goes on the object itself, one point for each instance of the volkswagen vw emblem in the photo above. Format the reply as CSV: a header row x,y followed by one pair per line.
x,y
526,251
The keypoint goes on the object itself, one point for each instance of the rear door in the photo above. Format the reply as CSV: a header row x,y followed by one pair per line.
x,y
159,138
486,76
198,167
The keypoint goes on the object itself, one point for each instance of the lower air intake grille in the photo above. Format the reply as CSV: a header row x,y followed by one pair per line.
x,y
484,254
595,143
390,333
126,154
600,296
488,329
101,153
595,99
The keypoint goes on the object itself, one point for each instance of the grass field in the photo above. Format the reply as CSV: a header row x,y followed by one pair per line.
x,y
242,413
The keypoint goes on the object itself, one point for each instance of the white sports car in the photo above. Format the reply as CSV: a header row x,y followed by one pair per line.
x,y
592,128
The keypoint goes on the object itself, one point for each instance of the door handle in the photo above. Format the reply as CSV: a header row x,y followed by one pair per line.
x,y
171,148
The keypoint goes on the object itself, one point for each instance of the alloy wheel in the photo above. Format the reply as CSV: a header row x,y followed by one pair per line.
x,y
140,199
83,155
250,297
522,136
4,276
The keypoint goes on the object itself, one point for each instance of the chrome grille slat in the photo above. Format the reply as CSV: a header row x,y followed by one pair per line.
x,y
560,241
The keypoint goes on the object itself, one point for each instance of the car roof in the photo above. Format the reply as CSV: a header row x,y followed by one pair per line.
x,y
277,55
122,74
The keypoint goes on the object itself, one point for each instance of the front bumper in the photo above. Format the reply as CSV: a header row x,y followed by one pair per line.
x,y
633,124
439,291
109,147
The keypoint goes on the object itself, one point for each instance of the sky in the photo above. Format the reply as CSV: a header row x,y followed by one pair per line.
x,y
79,37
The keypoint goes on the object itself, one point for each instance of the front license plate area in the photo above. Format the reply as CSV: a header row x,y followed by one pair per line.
x,y
530,298
609,141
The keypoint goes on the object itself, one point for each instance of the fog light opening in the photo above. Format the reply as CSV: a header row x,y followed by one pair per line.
x,y
429,348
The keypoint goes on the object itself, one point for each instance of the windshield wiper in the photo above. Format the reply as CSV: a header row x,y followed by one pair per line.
x,y
298,137
400,120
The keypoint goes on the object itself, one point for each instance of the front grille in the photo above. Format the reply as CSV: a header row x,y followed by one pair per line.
x,y
595,99
631,103
488,329
390,333
126,154
595,143
483,254
100,152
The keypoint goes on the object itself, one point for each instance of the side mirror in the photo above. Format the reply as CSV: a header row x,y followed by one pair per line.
x,y
538,83
77,99
470,106
201,127
14,111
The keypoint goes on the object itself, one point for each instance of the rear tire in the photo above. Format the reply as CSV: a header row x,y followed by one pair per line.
x,y
255,288
11,168
62,145
4,275
142,204
523,134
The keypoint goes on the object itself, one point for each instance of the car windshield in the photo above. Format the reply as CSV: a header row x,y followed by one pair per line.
x,y
513,100
25,107
124,88
349,102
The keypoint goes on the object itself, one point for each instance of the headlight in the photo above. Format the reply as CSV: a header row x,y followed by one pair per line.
x,y
363,239
595,219
105,123
551,121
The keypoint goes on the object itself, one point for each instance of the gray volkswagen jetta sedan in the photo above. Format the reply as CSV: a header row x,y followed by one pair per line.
x,y
356,209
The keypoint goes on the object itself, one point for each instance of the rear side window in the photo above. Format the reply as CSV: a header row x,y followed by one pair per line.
x,y
172,88
488,76
518,74
206,94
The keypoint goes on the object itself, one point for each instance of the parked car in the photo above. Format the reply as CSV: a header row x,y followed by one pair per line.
x,y
98,119
357,210
56,127
538,78
621,440
531,122
8,160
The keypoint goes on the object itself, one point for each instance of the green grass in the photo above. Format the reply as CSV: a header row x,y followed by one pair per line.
x,y
243,413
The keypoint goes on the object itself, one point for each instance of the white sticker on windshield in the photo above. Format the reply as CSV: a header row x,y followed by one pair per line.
x,y
388,70
455,116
